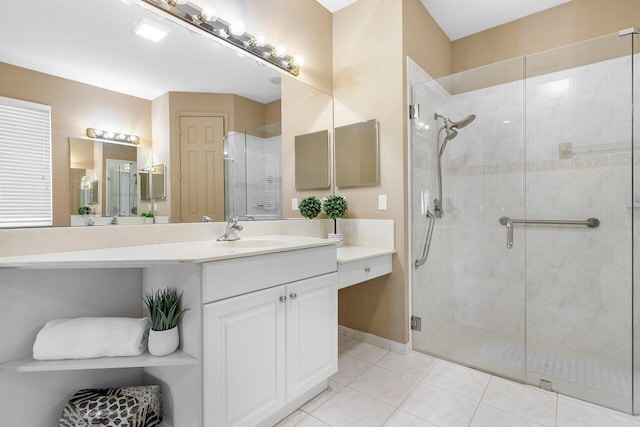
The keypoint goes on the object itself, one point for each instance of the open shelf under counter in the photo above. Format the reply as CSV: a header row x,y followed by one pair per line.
x,y
145,360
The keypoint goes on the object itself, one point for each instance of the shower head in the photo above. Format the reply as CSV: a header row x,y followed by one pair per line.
x,y
450,124
452,128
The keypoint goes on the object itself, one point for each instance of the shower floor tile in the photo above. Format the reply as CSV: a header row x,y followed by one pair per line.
x,y
430,393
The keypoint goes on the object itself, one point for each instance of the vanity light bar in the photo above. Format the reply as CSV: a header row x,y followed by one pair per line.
x,y
232,33
108,135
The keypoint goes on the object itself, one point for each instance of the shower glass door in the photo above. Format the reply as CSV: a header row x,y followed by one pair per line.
x,y
550,304
579,279
470,291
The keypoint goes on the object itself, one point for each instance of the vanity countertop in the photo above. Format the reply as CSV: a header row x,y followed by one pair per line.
x,y
169,253
347,254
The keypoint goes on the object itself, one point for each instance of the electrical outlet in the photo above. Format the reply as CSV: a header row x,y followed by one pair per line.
x,y
382,202
294,204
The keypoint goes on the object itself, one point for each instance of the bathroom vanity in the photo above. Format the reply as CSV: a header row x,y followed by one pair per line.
x,y
259,340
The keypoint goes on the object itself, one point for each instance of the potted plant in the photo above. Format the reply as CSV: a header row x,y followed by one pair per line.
x,y
335,207
148,217
165,310
310,207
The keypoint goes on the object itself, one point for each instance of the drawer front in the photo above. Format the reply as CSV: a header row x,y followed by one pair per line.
x,y
363,270
228,278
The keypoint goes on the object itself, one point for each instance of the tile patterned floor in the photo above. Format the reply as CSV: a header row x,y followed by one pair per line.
x,y
374,387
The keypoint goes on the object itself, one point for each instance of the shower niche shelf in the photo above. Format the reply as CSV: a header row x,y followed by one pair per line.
x,y
145,360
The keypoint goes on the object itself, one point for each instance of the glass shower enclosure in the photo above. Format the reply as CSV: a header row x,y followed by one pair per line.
x,y
530,270
253,173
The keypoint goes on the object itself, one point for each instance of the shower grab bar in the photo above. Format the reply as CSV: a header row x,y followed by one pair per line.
x,y
589,222
427,242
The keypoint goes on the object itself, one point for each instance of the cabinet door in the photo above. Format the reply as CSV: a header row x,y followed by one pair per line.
x,y
244,358
312,333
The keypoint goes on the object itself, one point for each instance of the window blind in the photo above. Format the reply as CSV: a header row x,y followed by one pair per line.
x,y
25,164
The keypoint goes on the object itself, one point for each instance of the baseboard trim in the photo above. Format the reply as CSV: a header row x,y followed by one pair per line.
x,y
384,343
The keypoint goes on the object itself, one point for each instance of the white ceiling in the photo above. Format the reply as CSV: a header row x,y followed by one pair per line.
x,y
335,5
92,41
461,18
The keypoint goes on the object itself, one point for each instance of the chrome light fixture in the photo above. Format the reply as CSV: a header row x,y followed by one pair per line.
x,y
207,20
107,135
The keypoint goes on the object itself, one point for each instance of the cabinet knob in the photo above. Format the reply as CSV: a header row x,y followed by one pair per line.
x,y
293,295
283,299
367,270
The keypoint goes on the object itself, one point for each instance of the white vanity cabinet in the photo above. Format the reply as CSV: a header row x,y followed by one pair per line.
x,y
267,348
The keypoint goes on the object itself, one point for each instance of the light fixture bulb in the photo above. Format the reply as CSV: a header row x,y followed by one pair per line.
x,y
298,61
281,51
175,3
97,132
109,135
223,33
236,28
208,14
260,40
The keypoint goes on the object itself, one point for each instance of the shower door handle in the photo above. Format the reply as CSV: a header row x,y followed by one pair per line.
x,y
509,225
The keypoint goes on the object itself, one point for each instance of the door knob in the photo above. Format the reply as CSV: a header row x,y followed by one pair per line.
x,y
283,299
293,295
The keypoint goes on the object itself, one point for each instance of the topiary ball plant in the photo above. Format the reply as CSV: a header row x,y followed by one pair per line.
x,y
335,207
310,207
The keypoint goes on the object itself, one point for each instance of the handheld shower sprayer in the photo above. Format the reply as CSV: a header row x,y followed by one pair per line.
x,y
451,128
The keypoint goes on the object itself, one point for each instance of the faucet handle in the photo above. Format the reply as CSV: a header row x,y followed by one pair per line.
x,y
207,218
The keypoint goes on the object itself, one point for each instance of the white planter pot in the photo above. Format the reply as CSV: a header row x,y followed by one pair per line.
x,y
337,238
162,343
148,220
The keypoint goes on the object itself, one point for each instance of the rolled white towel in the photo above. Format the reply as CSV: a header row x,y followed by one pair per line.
x,y
89,337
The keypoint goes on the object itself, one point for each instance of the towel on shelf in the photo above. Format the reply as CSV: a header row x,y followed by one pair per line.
x,y
89,337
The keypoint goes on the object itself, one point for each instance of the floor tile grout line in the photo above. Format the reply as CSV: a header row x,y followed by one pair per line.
x,y
399,373
451,391
480,401
517,415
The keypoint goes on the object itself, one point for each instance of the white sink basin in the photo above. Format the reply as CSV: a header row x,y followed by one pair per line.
x,y
251,243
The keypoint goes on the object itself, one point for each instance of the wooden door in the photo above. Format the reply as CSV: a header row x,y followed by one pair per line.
x,y
201,168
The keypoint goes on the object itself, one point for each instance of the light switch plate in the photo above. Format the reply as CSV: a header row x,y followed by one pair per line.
x,y
382,202
294,204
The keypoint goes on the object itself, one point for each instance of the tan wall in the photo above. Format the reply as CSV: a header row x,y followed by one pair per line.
x,y
368,84
74,107
424,41
562,25
303,26
273,112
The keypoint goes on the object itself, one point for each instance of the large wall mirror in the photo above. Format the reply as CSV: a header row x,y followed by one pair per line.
x,y
221,124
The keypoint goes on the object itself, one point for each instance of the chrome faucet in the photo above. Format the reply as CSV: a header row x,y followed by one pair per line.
x,y
233,228
114,220
231,233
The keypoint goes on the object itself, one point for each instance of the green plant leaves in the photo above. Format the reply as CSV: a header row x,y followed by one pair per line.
x,y
164,308
335,206
310,207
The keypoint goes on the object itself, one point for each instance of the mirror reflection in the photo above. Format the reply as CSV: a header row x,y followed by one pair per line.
x,y
196,106
104,180
357,154
312,160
